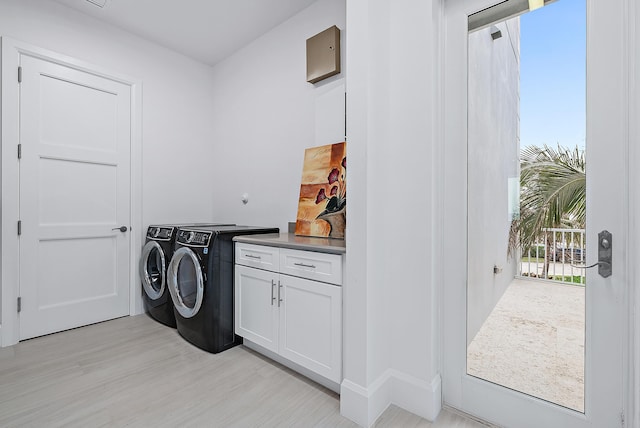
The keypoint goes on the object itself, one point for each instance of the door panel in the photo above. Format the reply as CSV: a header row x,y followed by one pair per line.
x,y
310,325
54,256
74,189
66,198
256,310
96,106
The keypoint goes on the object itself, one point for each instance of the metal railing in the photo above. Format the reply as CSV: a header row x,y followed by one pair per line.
x,y
559,255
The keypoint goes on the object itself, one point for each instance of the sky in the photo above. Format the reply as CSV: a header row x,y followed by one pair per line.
x,y
552,75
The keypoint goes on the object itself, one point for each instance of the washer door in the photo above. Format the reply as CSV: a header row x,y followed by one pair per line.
x,y
153,270
185,282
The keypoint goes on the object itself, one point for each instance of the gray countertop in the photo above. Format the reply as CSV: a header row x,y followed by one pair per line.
x,y
290,240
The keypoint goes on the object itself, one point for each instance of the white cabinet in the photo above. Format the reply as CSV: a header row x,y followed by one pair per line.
x,y
256,317
294,316
310,332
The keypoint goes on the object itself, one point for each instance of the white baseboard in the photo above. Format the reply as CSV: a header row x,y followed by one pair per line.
x,y
418,396
365,405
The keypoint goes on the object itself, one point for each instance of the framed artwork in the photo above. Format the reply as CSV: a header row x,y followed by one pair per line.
x,y
323,192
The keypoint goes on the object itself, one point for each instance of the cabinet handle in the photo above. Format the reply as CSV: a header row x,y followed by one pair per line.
x,y
251,256
273,297
303,265
279,298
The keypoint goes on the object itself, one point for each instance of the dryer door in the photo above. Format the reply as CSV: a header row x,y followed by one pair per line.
x,y
153,270
185,282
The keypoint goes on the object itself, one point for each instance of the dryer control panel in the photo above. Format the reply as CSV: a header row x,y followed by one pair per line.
x,y
193,238
160,233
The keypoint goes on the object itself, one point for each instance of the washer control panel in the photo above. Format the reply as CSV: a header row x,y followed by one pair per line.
x,y
193,238
160,233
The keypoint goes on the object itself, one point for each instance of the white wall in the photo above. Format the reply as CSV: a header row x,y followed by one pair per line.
x,y
265,114
263,120
177,105
493,160
392,340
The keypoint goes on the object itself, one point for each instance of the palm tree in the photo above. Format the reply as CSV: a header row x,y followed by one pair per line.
x,y
552,194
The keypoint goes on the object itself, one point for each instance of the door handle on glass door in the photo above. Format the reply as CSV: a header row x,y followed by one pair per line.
x,y
121,228
605,241
604,253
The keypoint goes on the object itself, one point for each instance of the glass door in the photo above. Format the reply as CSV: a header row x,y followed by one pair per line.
x,y
536,333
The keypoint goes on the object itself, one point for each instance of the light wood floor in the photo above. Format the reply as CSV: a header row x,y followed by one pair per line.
x,y
135,372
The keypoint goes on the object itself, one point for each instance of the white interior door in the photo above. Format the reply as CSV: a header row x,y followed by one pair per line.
x,y
75,135
601,345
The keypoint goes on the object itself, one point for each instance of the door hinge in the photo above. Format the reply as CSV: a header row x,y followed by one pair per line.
x,y
20,151
19,227
19,74
19,304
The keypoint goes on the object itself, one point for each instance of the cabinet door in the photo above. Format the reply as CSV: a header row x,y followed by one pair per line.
x,y
311,325
256,310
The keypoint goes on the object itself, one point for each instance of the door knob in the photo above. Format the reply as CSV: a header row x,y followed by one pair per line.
x,y
121,228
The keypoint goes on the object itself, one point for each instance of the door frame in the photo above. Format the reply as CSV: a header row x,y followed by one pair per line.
x,y
10,178
454,205
632,354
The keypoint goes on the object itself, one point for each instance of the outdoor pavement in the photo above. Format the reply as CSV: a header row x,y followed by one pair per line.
x,y
533,342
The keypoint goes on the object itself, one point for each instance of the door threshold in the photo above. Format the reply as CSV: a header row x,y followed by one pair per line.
x,y
469,416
